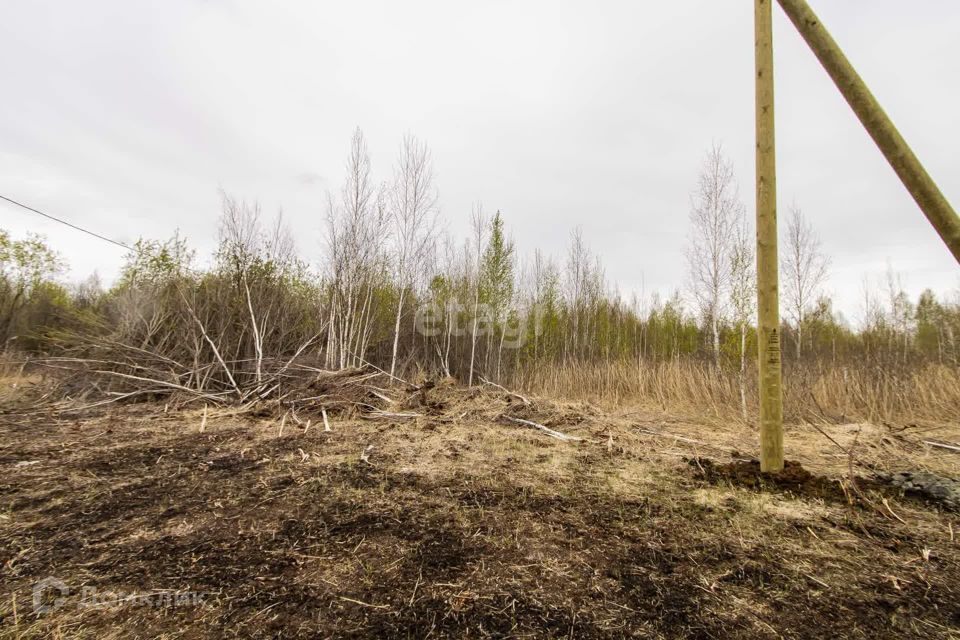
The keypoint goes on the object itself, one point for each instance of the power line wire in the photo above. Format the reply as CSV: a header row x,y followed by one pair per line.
x,y
69,224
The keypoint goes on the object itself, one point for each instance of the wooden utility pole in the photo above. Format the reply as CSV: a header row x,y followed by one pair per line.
x,y
898,153
875,120
768,300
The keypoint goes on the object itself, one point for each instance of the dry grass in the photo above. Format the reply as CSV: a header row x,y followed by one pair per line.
x,y
929,392
463,525
811,392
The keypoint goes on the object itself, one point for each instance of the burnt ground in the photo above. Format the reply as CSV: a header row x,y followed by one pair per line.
x,y
459,526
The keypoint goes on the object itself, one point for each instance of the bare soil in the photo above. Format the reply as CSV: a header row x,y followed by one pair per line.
x,y
462,525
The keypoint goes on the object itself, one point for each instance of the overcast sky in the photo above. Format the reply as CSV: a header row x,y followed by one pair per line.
x,y
127,117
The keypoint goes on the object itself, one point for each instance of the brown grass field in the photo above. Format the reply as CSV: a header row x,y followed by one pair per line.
x,y
460,523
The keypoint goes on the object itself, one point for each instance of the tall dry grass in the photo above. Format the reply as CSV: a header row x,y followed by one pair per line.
x,y
814,391
929,392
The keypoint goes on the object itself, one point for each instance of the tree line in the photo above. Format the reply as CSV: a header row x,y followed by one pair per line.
x,y
394,290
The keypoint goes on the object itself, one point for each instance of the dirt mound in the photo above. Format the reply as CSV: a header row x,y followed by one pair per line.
x,y
794,478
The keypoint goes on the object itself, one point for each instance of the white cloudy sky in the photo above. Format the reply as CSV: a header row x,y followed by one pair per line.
x,y
127,117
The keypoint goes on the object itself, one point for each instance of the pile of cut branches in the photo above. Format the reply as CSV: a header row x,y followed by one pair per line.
x,y
292,388
111,372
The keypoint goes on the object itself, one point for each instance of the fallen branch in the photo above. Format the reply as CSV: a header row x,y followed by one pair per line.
x,y
389,375
216,352
384,414
505,390
257,338
364,604
547,430
111,400
382,396
178,387
296,355
942,445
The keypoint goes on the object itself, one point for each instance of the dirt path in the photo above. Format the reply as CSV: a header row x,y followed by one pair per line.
x,y
458,526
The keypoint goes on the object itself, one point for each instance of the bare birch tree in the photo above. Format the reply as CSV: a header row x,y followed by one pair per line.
x,y
715,211
413,202
260,262
478,242
455,267
356,232
804,269
901,313
575,278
